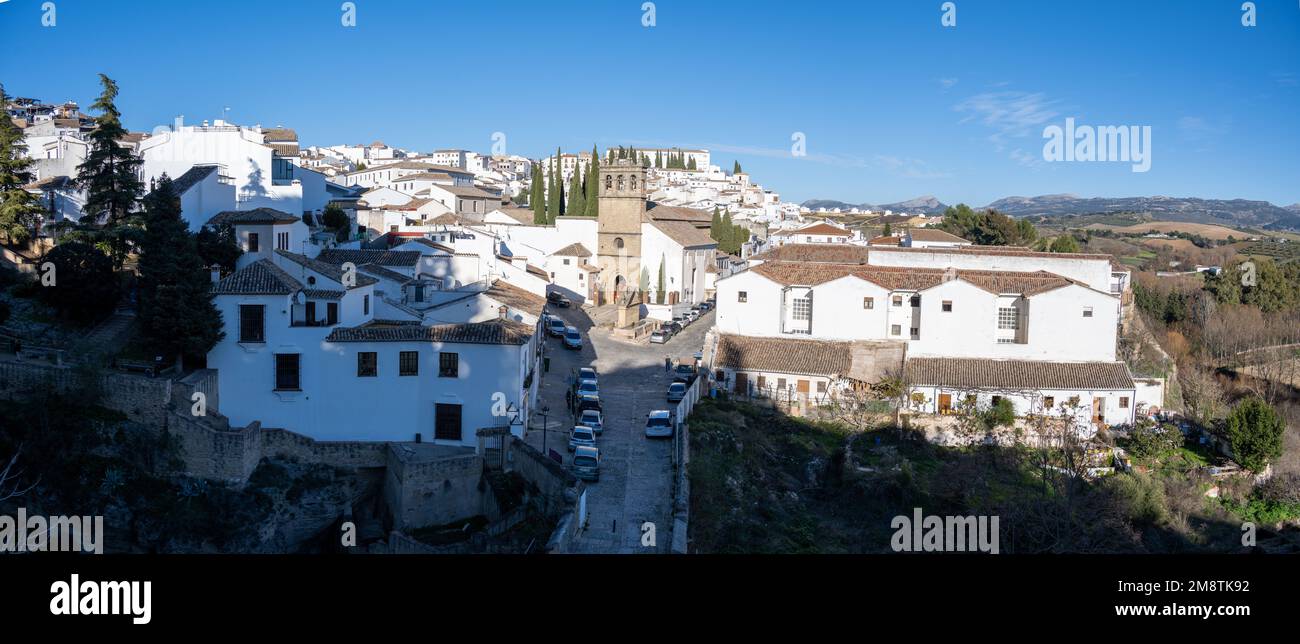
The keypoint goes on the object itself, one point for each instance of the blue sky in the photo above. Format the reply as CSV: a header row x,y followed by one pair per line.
x,y
893,105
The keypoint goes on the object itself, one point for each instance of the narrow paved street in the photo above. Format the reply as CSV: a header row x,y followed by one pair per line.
x,y
636,474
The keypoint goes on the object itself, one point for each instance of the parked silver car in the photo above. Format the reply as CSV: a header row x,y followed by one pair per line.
x,y
591,418
586,463
581,436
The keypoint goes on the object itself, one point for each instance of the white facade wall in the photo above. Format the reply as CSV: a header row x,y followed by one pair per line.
x,y
241,156
205,199
1054,324
1033,402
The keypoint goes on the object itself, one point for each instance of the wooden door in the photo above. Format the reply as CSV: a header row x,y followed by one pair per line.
x,y
1099,410
742,383
945,403
446,422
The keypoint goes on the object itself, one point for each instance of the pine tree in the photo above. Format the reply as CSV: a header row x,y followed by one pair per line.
x,y
659,159
109,173
109,176
177,316
593,185
736,169
536,198
690,165
715,224
20,211
888,230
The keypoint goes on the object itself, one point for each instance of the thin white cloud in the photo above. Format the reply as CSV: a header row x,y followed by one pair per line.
x,y
947,83
1009,114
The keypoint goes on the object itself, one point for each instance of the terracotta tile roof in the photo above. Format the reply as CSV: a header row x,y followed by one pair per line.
x,y
322,294
262,277
1010,251
780,355
538,271
431,244
659,212
977,373
934,235
891,240
279,134
515,297
823,253
473,192
337,256
379,271
255,216
492,332
684,233
284,149
521,215
573,250
191,178
330,271
897,278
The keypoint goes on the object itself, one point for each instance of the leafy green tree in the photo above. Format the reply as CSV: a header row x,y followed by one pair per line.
x,y
1255,432
85,288
361,165
889,230
336,220
736,168
715,224
1064,244
217,247
727,234
691,165
177,316
20,211
987,228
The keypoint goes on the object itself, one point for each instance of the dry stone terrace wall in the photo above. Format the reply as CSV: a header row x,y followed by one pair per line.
x,y
211,447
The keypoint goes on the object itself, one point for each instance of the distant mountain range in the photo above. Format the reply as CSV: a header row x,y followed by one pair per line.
x,y
1231,212
927,205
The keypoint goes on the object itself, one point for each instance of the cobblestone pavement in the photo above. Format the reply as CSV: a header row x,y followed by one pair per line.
x,y
636,473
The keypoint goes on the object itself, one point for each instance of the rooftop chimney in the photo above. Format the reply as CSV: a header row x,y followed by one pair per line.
x,y
215,273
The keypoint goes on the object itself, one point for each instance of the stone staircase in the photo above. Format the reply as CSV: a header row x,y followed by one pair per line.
x,y
109,336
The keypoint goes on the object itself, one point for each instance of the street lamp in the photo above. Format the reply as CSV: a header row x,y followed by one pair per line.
x,y
545,430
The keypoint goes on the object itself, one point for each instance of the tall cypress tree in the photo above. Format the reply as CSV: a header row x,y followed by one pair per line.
x,y
727,234
176,314
593,185
537,198
20,210
109,176
576,205
554,198
736,168
715,224
663,288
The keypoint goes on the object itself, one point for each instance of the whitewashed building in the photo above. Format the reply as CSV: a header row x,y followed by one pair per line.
x,y
1046,323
